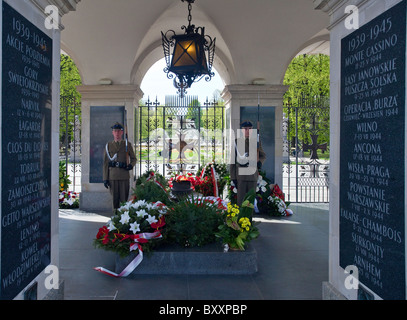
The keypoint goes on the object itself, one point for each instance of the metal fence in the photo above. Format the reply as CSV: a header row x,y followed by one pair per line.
x,y
180,135
306,129
70,140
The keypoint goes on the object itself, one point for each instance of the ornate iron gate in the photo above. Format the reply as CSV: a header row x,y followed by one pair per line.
x,y
70,140
179,136
306,129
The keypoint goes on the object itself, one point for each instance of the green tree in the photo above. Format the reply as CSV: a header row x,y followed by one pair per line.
x,y
70,99
70,78
309,79
308,75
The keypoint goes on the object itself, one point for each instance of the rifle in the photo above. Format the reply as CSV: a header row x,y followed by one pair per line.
x,y
126,137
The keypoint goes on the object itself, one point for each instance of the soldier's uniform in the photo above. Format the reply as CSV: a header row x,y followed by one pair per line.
x,y
116,170
240,169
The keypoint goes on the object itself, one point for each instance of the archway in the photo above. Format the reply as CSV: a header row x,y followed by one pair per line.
x,y
306,127
179,134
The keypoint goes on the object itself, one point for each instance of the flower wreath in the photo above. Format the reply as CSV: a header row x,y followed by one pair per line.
x,y
269,198
133,228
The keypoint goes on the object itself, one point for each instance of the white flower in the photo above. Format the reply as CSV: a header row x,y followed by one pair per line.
x,y
125,218
157,205
111,226
134,227
281,206
141,213
151,219
141,203
125,206
149,206
235,190
162,209
263,189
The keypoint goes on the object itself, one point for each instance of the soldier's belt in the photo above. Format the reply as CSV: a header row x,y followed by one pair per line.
x,y
243,165
115,164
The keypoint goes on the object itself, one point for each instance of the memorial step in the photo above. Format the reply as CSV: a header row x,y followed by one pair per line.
x,y
208,260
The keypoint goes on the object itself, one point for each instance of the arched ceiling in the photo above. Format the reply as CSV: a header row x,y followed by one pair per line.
x,y
121,39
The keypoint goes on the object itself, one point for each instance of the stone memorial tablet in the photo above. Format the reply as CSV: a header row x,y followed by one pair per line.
x,y
372,153
101,121
267,133
26,152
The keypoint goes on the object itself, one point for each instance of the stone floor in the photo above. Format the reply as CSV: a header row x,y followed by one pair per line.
x,y
292,263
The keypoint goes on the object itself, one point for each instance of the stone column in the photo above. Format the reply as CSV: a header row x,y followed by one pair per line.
x,y
267,96
94,196
29,262
368,135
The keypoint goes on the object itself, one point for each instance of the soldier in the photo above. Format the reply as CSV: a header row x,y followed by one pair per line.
x,y
249,158
119,159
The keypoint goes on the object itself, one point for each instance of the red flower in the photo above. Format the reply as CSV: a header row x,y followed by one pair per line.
x,y
159,224
277,192
103,232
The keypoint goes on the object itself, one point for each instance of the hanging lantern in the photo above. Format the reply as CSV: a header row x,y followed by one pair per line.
x,y
189,57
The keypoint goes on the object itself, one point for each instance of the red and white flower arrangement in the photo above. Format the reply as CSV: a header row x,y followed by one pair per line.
x,y
68,200
132,228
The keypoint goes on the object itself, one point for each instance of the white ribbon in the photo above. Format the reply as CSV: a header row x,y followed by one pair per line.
x,y
136,261
108,155
241,159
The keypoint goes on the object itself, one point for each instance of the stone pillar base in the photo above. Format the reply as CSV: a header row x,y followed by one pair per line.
x,y
99,202
57,294
329,292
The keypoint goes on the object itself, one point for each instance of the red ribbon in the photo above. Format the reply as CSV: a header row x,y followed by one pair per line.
x,y
213,178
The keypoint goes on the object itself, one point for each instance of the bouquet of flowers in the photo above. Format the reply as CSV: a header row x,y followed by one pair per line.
x,y
68,200
183,177
209,175
238,228
133,227
270,198
276,199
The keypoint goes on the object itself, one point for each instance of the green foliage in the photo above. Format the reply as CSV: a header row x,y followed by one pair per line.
x,y
151,190
193,222
309,79
238,228
63,177
308,75
70,77
70,97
